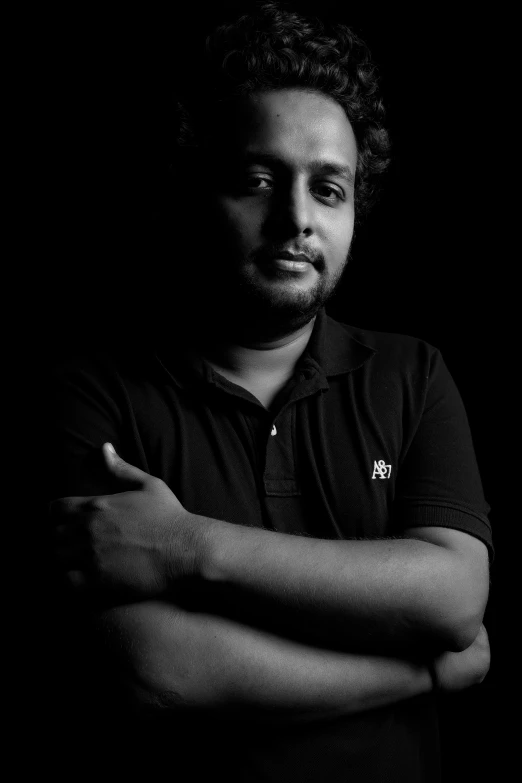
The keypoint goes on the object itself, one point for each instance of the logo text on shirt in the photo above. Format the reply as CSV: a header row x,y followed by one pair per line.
x,y
380,470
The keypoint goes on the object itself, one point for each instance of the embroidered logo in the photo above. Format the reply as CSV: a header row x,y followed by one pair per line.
x,y
380,470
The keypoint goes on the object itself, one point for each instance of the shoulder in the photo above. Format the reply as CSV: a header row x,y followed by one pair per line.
x,y
104,380
102,366
390,350
88,370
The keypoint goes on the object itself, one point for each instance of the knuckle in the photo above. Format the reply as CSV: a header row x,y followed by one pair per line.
x,y
59,507
155,483
76,579
96,505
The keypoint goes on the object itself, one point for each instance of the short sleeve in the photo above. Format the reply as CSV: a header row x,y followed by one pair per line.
x,y
83,413
438,482
87,405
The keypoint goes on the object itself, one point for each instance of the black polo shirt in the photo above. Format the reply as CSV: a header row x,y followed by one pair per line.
x,y
368,438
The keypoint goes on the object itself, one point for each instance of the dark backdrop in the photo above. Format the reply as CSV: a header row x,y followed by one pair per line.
x,y
424,264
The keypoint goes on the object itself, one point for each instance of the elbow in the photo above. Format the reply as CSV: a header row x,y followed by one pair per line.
x,y
456,621
464,634
465,622
456,594
465,604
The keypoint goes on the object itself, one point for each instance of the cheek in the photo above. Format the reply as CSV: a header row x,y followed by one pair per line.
x,y
239,220
340,239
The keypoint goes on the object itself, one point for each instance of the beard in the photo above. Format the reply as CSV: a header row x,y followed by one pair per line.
x,y
244,303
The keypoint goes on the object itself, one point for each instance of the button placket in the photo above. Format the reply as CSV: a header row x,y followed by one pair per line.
x,y
279,476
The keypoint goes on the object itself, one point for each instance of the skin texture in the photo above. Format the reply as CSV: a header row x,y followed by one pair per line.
x,y
397,596
184,659
265,193
288,203
179,658
275,192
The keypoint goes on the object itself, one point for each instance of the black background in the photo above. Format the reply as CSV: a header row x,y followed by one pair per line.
x,y
426,262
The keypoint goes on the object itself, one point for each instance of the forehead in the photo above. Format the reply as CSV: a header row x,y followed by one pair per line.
x,y
296,126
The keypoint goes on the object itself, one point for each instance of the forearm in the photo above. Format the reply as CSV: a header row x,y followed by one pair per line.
x,y
391,595
190,660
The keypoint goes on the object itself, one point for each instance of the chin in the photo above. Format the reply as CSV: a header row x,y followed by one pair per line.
x,y
275,311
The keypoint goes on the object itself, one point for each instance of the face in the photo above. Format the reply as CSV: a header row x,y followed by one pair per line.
x,y
285,186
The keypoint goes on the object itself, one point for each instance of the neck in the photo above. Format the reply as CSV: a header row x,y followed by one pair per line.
x,y
260,356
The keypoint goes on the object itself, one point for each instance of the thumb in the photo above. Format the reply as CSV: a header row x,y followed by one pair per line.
x,y
122,470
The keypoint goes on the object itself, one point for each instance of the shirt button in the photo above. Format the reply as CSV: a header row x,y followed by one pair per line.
x,y
274,431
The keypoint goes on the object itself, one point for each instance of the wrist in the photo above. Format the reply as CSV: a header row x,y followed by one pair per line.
x,y
212,535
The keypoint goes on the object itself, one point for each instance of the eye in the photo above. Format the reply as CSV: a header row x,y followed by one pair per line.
x,y
329,193
258,182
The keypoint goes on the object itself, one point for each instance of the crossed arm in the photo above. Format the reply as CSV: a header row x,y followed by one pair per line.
x,y
395,595
182,659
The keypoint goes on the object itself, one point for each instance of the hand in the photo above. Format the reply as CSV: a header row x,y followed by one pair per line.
x,y
458,670
137,540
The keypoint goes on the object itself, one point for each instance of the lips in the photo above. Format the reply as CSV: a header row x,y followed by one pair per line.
x,y
285,255
297,264
293,257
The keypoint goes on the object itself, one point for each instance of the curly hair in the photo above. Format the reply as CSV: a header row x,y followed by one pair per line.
x,y
275,48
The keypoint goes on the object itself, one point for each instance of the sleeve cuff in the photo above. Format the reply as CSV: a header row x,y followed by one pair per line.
x,y
446,515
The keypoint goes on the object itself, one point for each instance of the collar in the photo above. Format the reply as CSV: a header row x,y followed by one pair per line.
x,y
332,350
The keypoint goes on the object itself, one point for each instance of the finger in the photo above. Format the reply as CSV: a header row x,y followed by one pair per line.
x,y
76,532
77,579
72,552
62,506
122,470
68,558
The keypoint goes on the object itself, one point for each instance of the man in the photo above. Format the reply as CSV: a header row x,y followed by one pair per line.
x,y
273,524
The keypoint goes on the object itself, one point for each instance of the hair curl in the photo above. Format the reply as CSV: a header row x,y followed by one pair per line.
x,y
275,48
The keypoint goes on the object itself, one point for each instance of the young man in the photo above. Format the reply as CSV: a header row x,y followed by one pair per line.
x,y
273,523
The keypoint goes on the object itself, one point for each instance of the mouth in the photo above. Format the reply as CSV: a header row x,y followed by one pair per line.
x,y
297,257
291,265
289,262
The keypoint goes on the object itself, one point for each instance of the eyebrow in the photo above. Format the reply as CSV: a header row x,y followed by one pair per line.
x,y
316,166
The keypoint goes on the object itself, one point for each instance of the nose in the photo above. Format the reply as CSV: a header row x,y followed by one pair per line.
x,y
293,210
